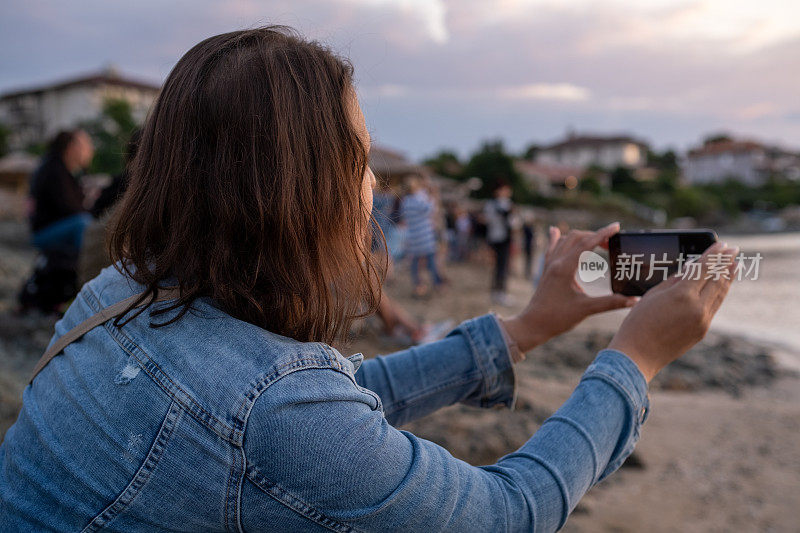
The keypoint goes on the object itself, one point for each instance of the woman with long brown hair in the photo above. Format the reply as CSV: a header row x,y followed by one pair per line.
x,y
192,386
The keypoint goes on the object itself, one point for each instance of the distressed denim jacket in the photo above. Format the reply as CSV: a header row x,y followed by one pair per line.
x,y
213,424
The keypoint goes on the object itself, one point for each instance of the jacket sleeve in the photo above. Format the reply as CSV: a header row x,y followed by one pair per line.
x,y
471,365
318,443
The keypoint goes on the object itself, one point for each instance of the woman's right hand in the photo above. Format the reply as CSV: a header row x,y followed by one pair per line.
x,y
674,315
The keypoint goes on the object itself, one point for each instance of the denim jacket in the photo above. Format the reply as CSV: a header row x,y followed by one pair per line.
x,y
212,424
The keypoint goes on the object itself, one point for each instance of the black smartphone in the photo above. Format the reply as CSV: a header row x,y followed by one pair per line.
x,y
642,259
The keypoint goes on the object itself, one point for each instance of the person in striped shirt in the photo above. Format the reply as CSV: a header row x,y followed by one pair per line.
x,y
417,211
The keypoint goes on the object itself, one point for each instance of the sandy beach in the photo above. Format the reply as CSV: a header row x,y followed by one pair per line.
x,y
719,451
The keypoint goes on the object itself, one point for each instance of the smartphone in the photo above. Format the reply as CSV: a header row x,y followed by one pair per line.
x,y
640,260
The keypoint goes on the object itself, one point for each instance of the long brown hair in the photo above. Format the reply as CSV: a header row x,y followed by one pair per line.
x,y
247,188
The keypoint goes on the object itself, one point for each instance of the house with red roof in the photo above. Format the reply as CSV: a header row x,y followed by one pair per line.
x,y
721,159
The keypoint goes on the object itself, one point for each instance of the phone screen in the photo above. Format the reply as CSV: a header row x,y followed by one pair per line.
x,y
641,260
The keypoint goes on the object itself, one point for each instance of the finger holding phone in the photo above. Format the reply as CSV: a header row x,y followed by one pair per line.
x,y
668,320
675,314
559,302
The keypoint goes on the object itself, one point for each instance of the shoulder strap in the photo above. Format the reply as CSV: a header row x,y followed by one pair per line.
x,y
95,320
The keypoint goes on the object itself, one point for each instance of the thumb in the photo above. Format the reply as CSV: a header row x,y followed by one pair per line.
x,y
599,304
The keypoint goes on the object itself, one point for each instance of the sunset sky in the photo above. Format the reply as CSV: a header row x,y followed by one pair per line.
x,y
446,74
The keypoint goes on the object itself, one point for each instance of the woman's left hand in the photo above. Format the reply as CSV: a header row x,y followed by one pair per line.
x,y
559,303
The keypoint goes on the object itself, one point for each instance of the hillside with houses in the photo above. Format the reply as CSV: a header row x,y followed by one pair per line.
x,y
725,180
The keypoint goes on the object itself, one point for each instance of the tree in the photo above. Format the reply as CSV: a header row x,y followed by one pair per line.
x,y
591,185
111,132
622,181
667,160
531,151
692,202
445,163
493,165
593,180
667,180
779,192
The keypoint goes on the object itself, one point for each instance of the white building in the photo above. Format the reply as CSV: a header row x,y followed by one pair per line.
x,y
583,151
717,161
35,114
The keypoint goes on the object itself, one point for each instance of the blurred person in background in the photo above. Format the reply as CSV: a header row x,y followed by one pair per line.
x,y
450,231
397,323
58,215
529,243
386,214
417,210
498,215
58,219
463,233
477,241
402,328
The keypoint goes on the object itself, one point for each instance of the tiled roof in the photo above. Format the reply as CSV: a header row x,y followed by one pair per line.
x,y
723,147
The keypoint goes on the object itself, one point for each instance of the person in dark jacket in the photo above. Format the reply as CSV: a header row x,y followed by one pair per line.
x,y
498,213
58,220
529,244
59,216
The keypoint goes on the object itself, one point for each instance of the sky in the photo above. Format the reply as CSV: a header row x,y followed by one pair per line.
x,y
448,74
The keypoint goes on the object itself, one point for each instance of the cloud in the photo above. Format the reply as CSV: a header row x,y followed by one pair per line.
x,y
546,91
431,13
758,110
565,92
388,90
440,72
